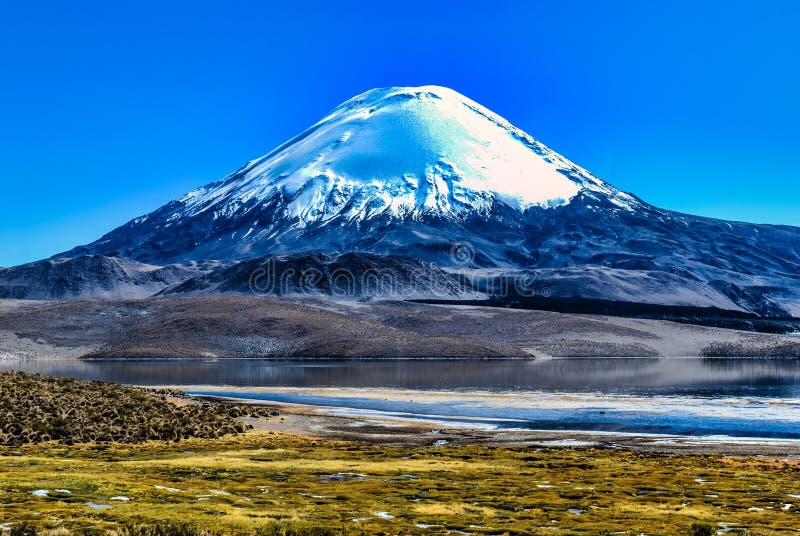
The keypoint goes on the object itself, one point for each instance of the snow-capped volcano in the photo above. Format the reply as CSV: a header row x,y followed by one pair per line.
x,y
414,155
417,171
402,153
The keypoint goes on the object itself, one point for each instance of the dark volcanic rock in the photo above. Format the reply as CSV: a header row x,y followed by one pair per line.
x,y
348,276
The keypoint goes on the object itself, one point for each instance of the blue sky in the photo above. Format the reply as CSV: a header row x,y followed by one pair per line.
x,y
110,109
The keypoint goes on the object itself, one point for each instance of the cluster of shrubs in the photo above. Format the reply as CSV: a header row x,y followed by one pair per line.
x,y
36,409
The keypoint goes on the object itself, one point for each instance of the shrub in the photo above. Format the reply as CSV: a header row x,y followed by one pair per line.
x,y
701,529
22,529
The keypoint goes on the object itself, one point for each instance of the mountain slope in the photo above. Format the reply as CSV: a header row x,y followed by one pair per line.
x,y
429,174
350,275
91,276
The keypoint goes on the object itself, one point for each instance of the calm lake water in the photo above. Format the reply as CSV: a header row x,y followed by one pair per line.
x,y
778,378
736,397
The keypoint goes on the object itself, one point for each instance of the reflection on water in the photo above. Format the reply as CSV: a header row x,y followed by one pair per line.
x,y
774,378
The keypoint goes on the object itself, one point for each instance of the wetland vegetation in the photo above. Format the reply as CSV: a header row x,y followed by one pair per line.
x,y
274,483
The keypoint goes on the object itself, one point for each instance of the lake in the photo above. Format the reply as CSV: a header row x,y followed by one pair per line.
x,y
703,397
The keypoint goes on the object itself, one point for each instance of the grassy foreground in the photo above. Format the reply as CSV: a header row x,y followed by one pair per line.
x,y
269,483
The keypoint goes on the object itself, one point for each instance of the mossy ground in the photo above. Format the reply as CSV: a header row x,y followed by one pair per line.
x,y
264,480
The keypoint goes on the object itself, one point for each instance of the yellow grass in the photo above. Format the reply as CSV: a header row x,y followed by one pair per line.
x,y
264,479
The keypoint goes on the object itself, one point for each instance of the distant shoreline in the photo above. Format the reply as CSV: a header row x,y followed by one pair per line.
x,y
312,328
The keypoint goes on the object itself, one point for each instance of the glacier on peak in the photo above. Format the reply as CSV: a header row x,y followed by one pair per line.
x,y
403,153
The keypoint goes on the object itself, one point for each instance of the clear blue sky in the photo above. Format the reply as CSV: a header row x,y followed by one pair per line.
x,y
110,109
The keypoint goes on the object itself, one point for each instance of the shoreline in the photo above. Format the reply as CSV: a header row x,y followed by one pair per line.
x,y
380,428
291,359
